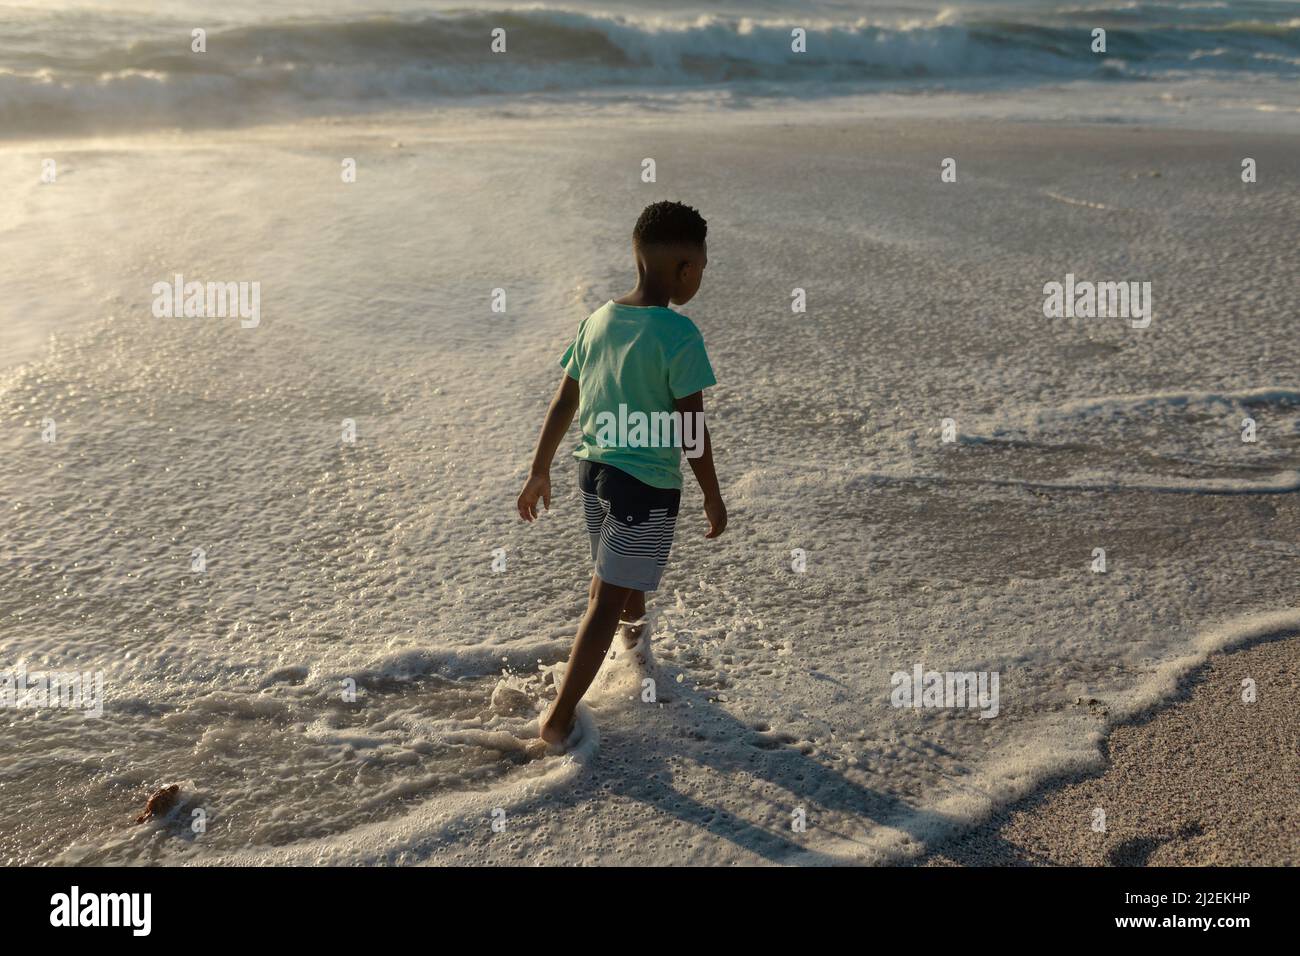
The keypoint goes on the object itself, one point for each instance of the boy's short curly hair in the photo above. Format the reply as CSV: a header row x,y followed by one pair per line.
x,y
667,223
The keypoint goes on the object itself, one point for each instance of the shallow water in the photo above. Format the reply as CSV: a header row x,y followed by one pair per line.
x,y
373,562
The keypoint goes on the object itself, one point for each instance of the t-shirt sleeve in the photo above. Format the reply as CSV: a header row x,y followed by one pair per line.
x,y
689,370
569,360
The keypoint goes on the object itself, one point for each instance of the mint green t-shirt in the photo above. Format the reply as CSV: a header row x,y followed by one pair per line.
x,y
631,363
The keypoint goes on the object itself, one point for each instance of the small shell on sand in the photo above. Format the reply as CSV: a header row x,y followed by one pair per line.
x,y
160,801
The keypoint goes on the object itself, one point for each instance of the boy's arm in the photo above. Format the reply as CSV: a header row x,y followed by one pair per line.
x,y
702,465
558,419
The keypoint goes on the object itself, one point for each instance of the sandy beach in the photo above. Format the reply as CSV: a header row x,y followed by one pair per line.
x,y
1204,780
372,561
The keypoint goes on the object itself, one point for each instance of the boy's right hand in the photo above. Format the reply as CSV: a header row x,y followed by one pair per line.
x,y
716,512
537,486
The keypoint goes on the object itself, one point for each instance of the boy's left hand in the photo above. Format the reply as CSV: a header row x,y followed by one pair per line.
x,y
537,486
716,512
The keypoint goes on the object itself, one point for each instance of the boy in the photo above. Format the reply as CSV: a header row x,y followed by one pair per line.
x,y
633,360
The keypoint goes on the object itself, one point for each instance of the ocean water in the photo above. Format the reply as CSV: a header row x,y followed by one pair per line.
x,y
332,565
80,67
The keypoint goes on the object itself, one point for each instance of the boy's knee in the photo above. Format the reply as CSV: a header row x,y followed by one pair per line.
x,y
609,598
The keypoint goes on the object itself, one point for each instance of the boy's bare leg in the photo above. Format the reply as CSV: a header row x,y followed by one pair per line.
x,y
594,634
634,610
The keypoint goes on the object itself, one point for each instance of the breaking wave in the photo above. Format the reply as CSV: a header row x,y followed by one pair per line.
x,y
287,69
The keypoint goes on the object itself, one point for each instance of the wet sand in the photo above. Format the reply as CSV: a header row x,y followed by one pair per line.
x,y
329,561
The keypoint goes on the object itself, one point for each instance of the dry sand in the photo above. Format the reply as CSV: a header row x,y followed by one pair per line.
x,y
1207,780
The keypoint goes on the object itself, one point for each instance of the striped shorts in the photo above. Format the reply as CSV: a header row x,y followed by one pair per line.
x,y
630,525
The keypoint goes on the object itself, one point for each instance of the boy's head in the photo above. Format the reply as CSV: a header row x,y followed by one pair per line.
x,y
668,240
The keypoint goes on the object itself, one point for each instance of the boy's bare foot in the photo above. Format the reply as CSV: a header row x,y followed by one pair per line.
x,y
554,731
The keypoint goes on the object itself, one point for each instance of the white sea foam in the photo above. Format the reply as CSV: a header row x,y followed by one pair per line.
x,y
1040,417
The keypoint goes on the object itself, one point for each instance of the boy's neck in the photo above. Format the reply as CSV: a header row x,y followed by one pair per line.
x,y
643,297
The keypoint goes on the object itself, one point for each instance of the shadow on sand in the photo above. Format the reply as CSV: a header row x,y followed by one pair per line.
x,y
641,763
